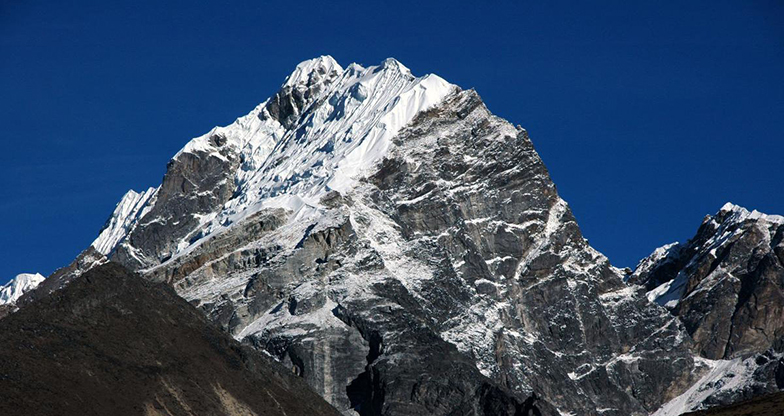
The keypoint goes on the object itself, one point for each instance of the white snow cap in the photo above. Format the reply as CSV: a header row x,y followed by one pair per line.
x,y
18,286
729,206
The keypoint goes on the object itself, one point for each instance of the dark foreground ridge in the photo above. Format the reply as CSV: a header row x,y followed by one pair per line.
x,y
111,343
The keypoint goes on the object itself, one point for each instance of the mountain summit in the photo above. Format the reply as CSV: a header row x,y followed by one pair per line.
x,y
324,129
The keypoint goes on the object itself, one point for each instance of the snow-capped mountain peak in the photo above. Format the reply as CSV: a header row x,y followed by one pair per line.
x,y
400,247
358,188
366,224
324,129
18,286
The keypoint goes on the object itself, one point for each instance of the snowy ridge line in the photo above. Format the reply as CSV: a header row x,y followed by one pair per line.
x,y
346,131
741,214
129,210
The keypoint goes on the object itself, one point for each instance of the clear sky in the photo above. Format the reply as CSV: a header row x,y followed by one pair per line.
x,y
649,115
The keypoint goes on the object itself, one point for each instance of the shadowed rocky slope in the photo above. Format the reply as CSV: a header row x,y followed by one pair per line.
x,y
111,343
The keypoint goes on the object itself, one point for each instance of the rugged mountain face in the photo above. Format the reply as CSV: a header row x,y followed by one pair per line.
x,y
403,251
113,343
726,285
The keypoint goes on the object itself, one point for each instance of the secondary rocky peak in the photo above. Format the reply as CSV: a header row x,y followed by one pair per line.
x,y
725,285
719,280
734,214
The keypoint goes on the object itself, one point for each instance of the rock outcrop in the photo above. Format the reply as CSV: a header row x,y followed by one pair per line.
x,y
726,284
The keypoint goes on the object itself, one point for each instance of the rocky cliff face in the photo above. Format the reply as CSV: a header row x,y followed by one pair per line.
x,y
113,343
404,251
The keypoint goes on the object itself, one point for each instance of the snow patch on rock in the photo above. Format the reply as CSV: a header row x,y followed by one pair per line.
x,y
724,376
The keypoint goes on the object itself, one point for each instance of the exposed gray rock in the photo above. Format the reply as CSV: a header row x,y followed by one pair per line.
x,y
196,183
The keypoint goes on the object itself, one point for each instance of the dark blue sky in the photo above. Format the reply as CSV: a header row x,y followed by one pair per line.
x,y
649,115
